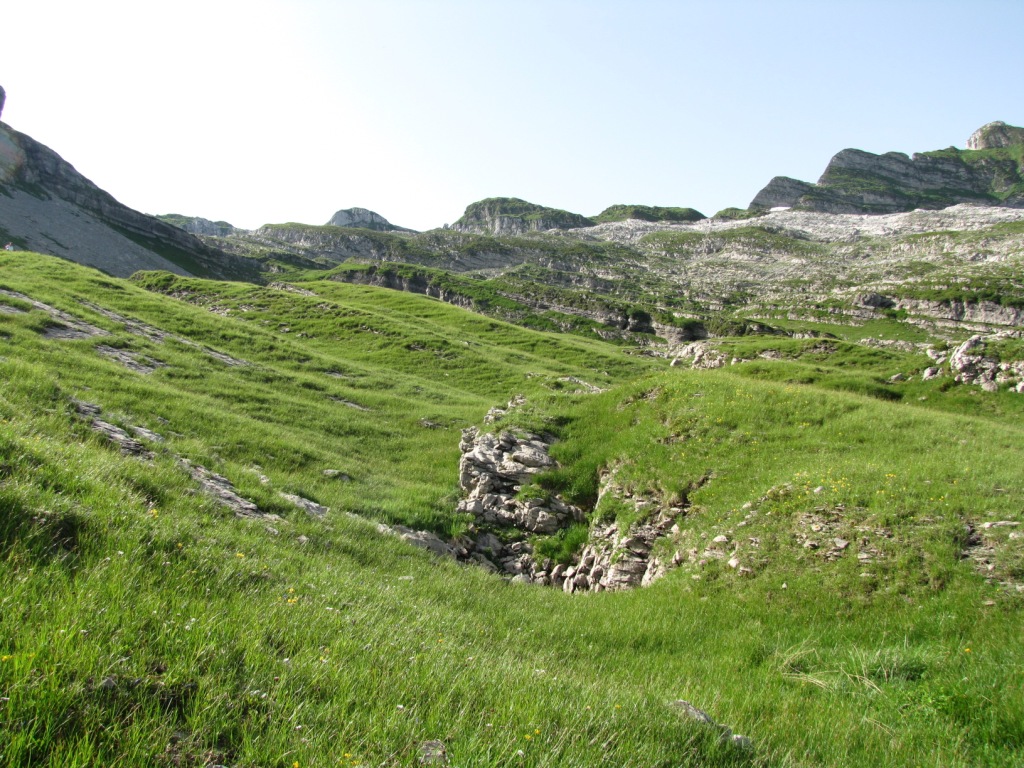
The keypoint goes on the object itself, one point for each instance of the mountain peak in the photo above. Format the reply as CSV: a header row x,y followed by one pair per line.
x,y
996,135
363,219
512,216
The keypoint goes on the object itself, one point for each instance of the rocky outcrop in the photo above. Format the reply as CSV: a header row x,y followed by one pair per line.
x,y
3,98
996,135
861,182
492,471
509,216
614,559
700,355
363,219
980,312
196,225
972,363
781,192
53,209
382,277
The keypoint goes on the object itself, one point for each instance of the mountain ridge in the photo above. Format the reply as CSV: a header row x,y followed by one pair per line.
x,y
989,172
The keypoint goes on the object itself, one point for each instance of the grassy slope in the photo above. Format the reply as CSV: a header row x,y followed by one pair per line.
x,y
142,624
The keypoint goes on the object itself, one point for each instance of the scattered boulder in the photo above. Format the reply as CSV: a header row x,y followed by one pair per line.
x,y
337,474
422,539
993,547
223,491
433,752
129,446
701,355
970,363
311,508
690,712
496,413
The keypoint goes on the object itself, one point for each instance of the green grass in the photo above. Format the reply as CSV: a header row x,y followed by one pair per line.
x,y
142,624
648,213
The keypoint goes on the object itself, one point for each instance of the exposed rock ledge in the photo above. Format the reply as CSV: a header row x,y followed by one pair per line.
x,y
492,471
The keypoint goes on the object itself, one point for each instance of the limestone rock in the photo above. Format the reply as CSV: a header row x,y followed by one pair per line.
x,y
861,182
434,753
969,364
512,216
363,219
76,220
492,469
422,539
726,736
996,135
311,508
223,491
781,192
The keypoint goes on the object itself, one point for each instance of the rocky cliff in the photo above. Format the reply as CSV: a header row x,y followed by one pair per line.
x,y
51,208
512,216
989,172
996,135
196,225
364,219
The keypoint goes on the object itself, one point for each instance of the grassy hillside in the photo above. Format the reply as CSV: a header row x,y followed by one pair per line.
x,y
145,624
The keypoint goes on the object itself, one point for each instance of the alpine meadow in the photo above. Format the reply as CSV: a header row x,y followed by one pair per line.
x,y
642,487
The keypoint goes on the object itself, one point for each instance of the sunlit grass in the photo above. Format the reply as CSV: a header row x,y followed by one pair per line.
x,y
143,624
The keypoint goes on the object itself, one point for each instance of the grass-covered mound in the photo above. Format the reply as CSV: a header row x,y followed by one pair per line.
x,y
143,623
648,213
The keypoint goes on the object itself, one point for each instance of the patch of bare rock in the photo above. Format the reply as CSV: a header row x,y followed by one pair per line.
x,y
223,491
492,472
65,327
993,547
726,736
128,445
130,360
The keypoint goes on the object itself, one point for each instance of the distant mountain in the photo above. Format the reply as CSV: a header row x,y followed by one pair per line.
x,y
196,225
648,213
512,216
49,207
361,218
989,172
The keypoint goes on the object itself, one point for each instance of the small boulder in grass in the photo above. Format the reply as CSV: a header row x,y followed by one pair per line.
x,y
433,752
725,732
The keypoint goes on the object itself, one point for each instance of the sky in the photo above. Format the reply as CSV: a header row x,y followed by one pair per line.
x,y
270,111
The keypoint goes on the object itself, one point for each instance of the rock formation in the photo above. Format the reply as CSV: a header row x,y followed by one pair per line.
x,y
3,98
52,208
196,225
974,363
861,182
781,192
511,216
996,135
492,472
363,219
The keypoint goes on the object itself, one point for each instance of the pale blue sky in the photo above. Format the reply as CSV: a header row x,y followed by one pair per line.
x,y
271,111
